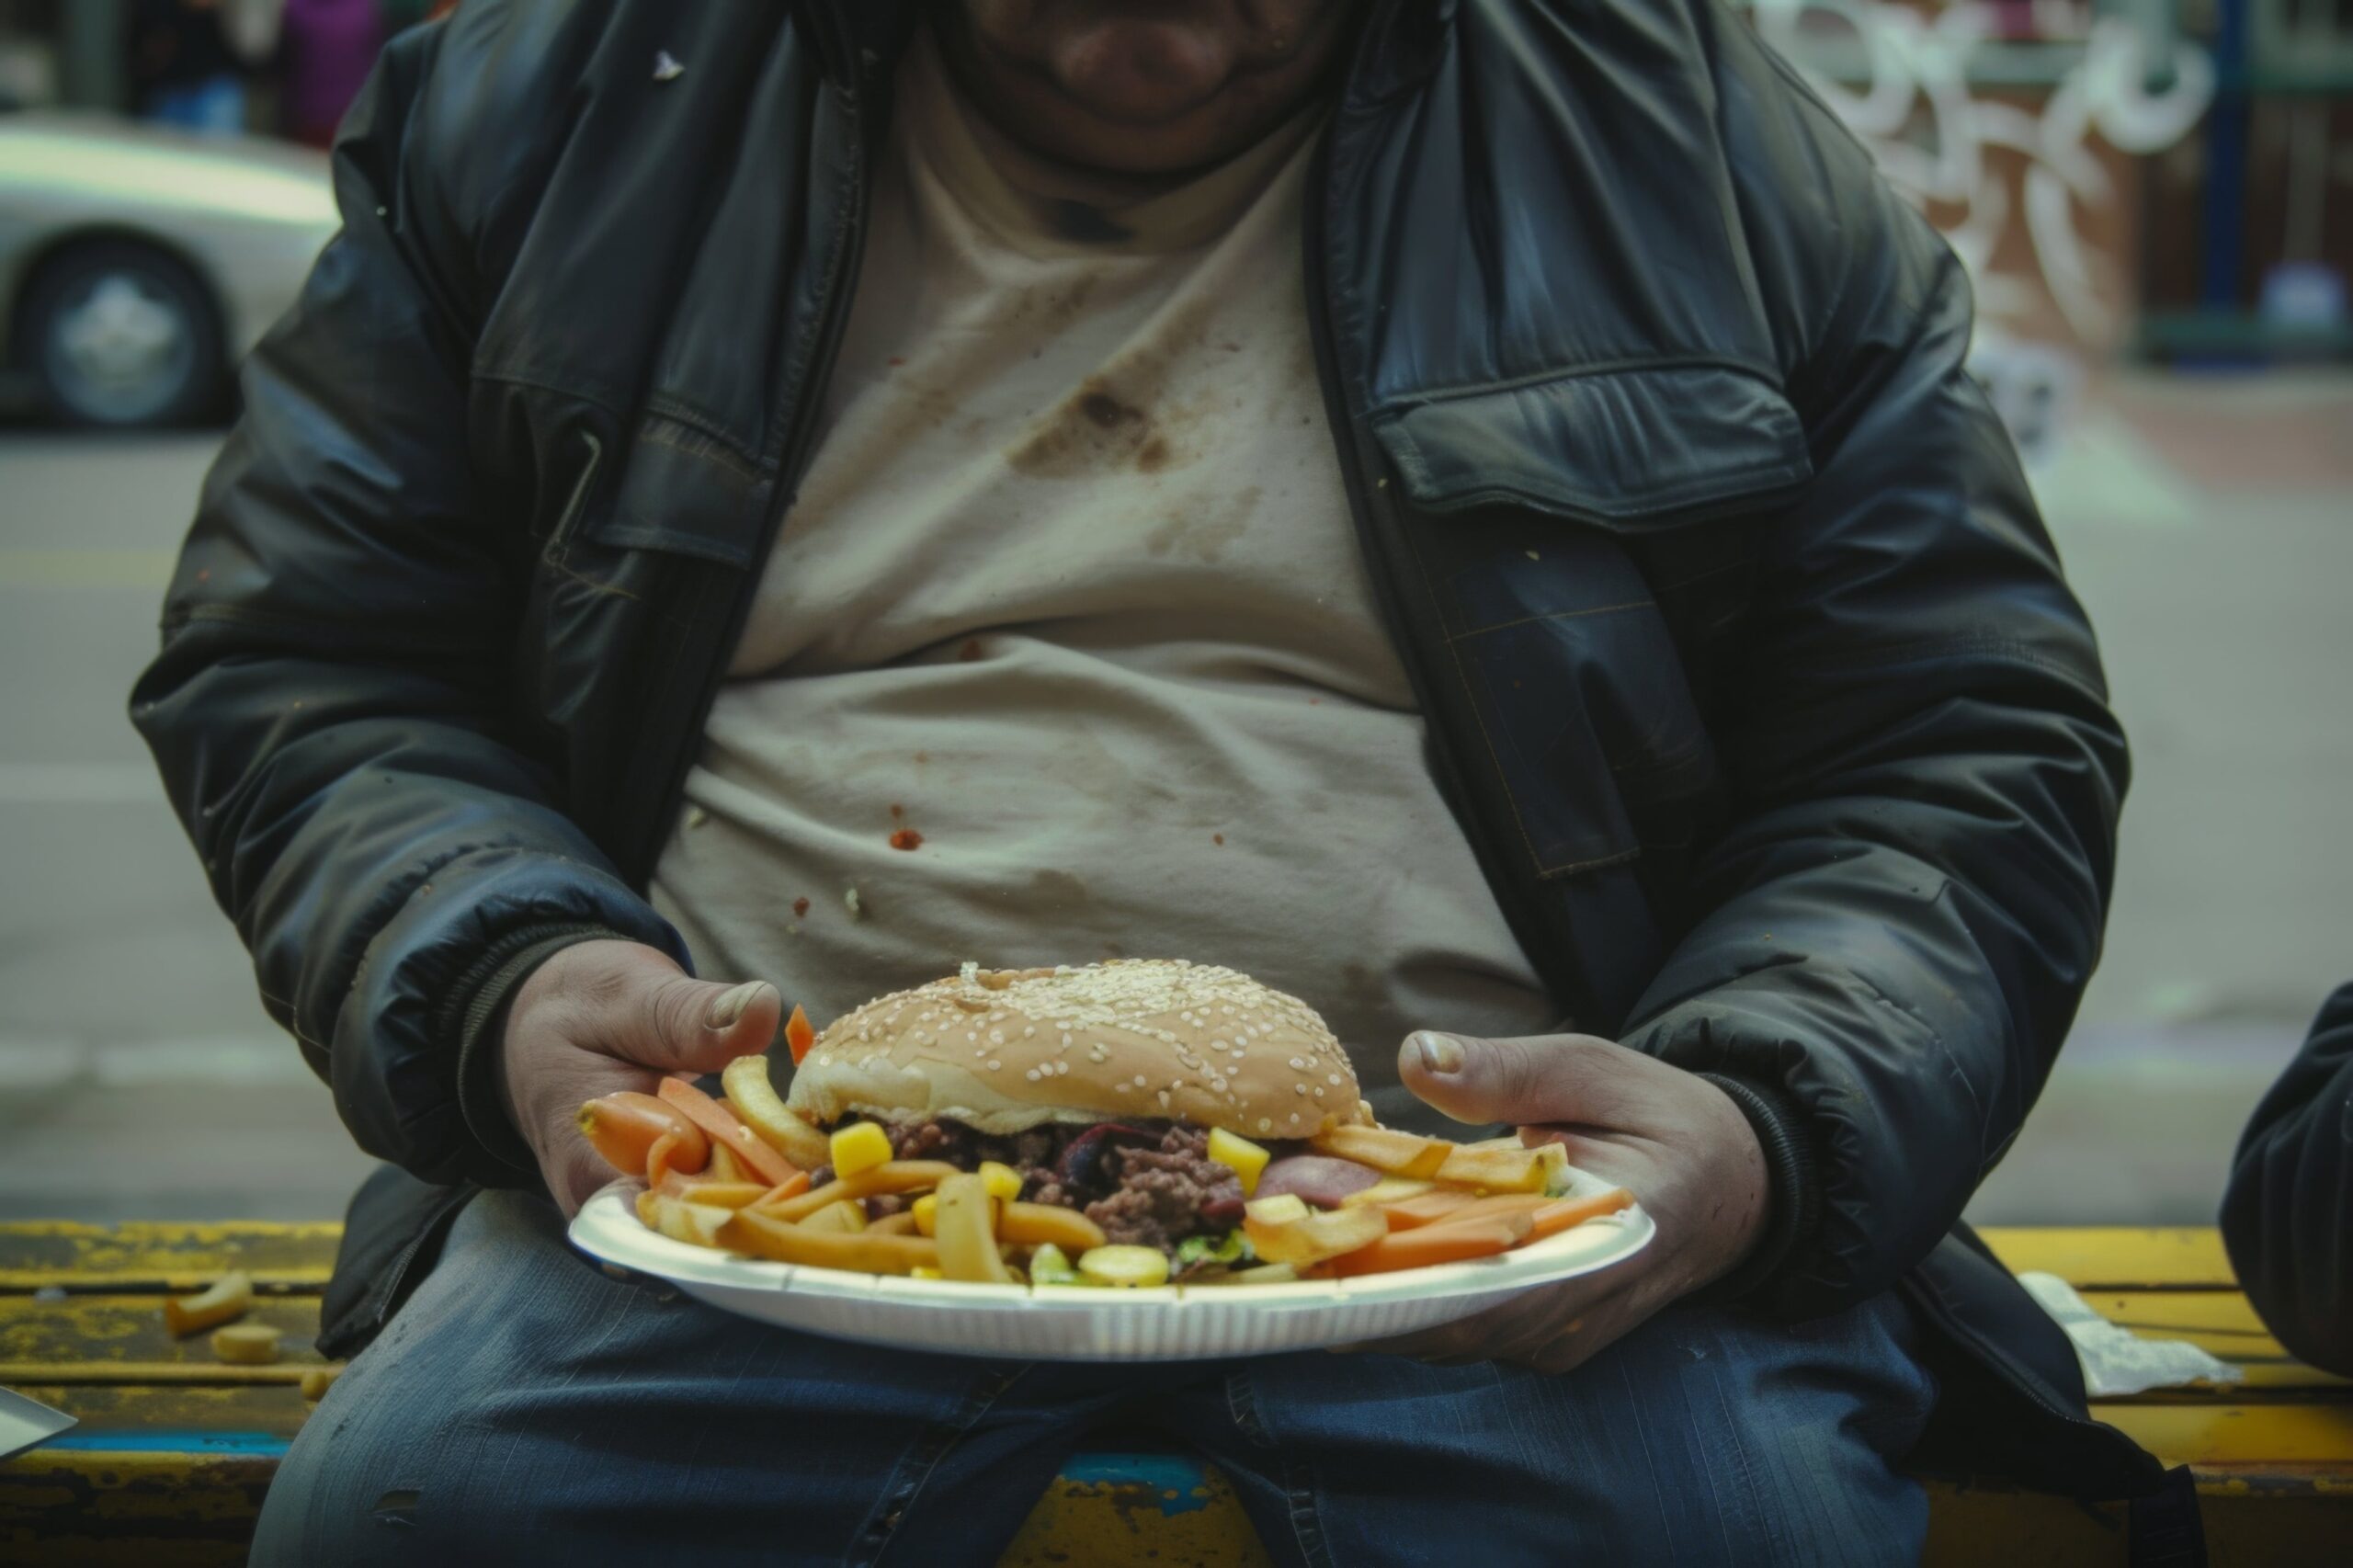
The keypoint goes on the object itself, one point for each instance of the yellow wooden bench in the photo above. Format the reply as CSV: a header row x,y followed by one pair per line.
x,y
175,1451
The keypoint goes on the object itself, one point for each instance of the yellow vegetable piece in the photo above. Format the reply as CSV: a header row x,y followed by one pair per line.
x,y
926,1213
921,1273
860,1146
759,1107
316,1381
1002,1180
1282,1208
965,1225
1130,1268
1244,1158
246,1344
226,1297
848,1217
1558,1178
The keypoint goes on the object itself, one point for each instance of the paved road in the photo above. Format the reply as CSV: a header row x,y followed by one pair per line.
x,y
2206,524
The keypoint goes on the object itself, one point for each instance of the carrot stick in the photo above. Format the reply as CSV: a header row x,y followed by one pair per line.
x,y
1429,1244
727,1132
658,1158
1427,1207
798,1035
791,1186
1562,1213
622,1128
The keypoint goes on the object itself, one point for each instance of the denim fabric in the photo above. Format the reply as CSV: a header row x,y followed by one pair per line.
x,y
524,1407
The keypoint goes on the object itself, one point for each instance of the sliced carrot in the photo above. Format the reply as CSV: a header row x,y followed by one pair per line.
x,y
1420,1248
798,1035
622,1127
727,1132
657,1161
792,1186
1427,1207
891,1175
1562,1213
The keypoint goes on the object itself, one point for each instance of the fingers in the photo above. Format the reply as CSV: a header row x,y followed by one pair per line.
x,y
1573,1078
673,1024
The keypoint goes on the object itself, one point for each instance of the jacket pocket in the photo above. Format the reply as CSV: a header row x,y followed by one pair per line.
x,y
584,485
1632,448
682,491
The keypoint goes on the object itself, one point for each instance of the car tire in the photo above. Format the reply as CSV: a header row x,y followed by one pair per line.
x,y
122,334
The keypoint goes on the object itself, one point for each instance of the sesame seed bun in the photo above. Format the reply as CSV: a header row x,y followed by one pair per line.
x,y
1005,1049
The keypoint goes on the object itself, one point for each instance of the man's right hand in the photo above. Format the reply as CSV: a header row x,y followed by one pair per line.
x,y
605,1016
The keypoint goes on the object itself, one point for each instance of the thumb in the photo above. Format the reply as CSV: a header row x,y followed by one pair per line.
x,y
674,1024
1478,1081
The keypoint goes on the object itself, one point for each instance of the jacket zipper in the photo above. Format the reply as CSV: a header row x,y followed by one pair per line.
x,y
693,684
577,503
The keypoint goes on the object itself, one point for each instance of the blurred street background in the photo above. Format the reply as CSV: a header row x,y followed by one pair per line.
x,y
2156,201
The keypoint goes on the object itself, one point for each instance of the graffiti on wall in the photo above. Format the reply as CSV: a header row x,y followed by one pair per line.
x,y
2022,182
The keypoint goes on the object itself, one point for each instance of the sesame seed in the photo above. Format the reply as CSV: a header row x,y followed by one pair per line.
x,y
994,1065
1164,1102
1296,1066
997,1037
1319,1091
1299,1088
1333,1079
1294,1116
1264,1123
1139,1080
1031,1074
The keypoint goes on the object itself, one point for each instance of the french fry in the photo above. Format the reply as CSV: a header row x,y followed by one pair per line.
x,y
697,1224
623,1126
1451,1242
761,1109
723,1194
765,1235
1427,1207
847,1216
1385,1148
1497,1170
895,1176
965,1230
316,1381
246,1344
1495,1206
903,1223
1315,1235
726,1130
1562,1213
1044,1225
223,1299
792,1186
723,1166
1388,1189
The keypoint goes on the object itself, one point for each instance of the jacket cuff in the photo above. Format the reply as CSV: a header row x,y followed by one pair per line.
x,y
476,1012
1794,1213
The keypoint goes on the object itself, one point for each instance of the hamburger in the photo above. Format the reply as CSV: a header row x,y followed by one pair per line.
x,y
1138,1091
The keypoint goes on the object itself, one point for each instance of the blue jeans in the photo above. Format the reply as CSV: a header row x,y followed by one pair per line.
x,y
523,1407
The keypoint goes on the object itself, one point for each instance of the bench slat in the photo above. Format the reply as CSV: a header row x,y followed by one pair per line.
x,y
2118,1257
159,1256
2278,1439
182,1414
108,1338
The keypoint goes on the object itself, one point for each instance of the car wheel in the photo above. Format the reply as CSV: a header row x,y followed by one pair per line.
x,y
119,334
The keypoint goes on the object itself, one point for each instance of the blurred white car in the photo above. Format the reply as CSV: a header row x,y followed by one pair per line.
x,y
137,264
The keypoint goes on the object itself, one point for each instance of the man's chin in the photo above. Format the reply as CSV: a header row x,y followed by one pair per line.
x,y
1140,74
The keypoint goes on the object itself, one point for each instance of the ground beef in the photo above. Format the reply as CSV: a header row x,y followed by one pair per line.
x,y
1159,1194
1148,1196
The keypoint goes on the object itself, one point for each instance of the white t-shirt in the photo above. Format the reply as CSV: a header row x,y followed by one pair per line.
x,y
1067,649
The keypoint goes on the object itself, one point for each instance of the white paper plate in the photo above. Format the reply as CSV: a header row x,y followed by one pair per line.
x,y
1172,1323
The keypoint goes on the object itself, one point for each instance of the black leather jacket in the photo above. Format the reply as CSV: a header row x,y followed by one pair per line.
x,y
2288,1213
1749,668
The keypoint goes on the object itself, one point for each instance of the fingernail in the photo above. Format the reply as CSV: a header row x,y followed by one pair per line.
x,y
1441,1053
732,1003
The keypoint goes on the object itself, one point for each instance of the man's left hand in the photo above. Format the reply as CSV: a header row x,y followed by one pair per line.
x,y
1672,1138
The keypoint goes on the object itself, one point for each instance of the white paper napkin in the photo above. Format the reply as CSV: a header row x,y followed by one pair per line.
x,y
27,1422
2117,1360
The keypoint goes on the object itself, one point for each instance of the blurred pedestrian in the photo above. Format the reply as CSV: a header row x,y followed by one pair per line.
x,y
330,46
183,69
2288,1213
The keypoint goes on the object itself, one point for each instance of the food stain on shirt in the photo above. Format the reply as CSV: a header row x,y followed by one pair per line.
x,y
906,838
799,907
